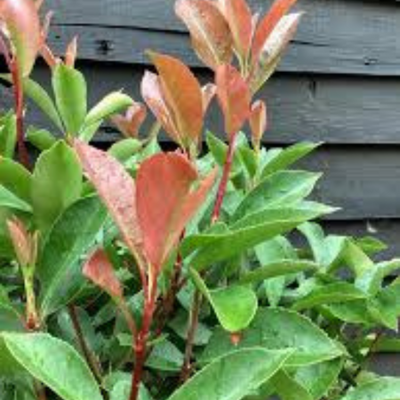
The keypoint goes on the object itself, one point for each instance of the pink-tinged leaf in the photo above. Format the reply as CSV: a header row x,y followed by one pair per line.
x,y
273,49
117,190
234,98
20,23
71,52
25,244
152,95
208,92
182,93
130,123
100,271
166,202
209,31
268,24
258,121
238,15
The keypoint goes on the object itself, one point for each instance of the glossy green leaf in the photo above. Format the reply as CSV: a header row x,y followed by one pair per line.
x,y
234,306
319,378
56,183
288,388
40,138
277,329
284,188
55,363
379,389
72,236
42,99
247,233
122,389
233,376
69,87
111,104
125,149
10,200
15,178
8,135
165,356
340,292
287,157
278,268
356,258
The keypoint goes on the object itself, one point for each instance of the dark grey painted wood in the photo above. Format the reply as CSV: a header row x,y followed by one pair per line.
x,y
336,36
332,109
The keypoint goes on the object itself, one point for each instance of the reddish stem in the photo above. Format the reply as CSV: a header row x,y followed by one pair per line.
x,y
140,344
19,113
195,311
224,181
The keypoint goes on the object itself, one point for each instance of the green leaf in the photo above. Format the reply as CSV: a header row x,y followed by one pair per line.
x,y
371,280
319,378
288,388
56,183
356,259
70,91
233,376
340,292
287,157
278,329
8,135
234,306
124,149
39,96
247,233
379,389
15,178
111,104
40,138
55,363
10,200
278,268
326,250
284,188
165,356
72,236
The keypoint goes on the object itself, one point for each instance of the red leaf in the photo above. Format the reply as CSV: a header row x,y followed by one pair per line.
x,y
258,121
152,95
234,98
269,22
208,92
182,93
166,202
209,31
100,271
22,23
117,189
130,123
238,15
25,244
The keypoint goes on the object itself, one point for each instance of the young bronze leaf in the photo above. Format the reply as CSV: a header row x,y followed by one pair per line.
x,y
208,92
182,93
258,121
20,23
100,271
71,52
152,95
165,202
130,123
238,15
209,31
116,188
234,98
268,24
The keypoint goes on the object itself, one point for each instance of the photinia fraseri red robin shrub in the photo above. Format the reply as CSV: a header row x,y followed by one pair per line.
x,y
137,273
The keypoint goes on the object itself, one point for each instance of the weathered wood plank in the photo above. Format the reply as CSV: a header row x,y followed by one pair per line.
x,y
336,36
335,110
